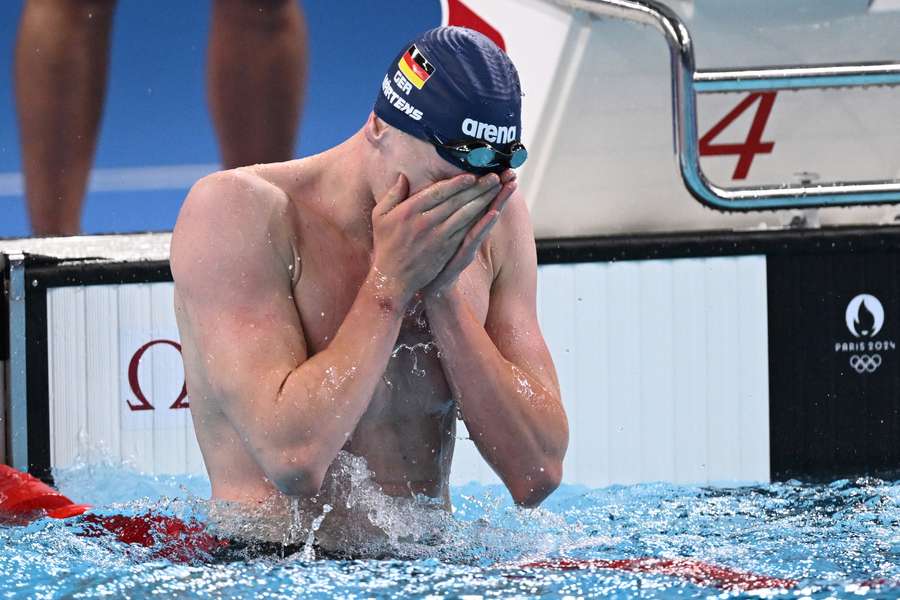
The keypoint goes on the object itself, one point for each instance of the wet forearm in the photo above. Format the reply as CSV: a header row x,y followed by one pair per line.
x,y
515,421
322,400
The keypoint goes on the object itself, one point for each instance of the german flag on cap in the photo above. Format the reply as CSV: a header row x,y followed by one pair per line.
x,y
416,67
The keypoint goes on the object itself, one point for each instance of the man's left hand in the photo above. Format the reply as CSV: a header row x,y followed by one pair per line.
x,y
474,238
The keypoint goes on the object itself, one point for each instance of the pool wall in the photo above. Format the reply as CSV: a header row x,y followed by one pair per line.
x,y
701,356
625,363
721,357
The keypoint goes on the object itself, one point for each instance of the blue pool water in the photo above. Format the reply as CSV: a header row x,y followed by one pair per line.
x,y
829,538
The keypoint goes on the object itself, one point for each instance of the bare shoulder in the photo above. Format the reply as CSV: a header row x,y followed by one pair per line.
x,y
229,198
512,239
227,216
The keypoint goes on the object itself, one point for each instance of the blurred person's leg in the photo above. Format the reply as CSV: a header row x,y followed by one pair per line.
x,y
62,53
257,74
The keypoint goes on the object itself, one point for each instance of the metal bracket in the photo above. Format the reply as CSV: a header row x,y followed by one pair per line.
x,y
4,356
18,383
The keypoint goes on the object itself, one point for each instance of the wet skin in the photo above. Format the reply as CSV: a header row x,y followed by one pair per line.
x,y
319,232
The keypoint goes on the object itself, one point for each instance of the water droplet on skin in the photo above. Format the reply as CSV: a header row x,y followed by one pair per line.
x,y
523,386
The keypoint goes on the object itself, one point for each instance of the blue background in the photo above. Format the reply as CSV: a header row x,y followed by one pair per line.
x,y
156,111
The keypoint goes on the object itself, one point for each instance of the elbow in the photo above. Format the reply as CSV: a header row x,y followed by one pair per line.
x,y
531,490
299,484
298,478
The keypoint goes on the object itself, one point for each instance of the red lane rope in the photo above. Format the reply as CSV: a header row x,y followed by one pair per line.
x,y
24,498
696,571
169,537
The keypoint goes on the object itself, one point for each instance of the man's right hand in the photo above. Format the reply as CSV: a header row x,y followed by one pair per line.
x,y
416,236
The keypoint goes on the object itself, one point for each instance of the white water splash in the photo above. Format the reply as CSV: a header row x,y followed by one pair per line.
x,y
412,349
309,549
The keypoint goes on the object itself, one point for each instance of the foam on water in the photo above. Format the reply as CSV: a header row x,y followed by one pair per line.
x,y
830,538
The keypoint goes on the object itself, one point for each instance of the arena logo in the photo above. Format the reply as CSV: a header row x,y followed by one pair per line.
x,y
489,132
134,382
864,318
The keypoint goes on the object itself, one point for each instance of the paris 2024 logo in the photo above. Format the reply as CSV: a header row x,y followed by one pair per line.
x,y
865,319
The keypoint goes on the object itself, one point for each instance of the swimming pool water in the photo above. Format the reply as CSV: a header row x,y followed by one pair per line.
x,y
829,538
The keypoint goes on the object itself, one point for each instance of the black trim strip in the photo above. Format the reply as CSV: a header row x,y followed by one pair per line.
x,y
827,240
37,380
826,418
698,244
4,314
64,274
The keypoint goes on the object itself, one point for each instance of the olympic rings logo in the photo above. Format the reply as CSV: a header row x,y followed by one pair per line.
x,y
863,363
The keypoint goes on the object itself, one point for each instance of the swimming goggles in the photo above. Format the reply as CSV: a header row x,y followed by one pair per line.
x,y
481,155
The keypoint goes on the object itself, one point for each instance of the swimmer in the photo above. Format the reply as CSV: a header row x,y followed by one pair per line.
x,y
365,298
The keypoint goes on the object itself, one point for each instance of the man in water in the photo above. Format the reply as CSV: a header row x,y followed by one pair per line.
x,y
364,298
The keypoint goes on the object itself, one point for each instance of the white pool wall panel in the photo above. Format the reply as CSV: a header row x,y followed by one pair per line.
x,y
94,333
68,372
662,366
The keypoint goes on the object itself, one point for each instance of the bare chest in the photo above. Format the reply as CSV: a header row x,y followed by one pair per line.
x,y
413,387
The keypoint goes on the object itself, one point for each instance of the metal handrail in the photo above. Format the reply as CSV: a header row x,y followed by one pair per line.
x,y
797,78
687,82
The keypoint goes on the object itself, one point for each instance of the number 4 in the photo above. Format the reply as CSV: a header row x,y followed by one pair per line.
x,y
753,145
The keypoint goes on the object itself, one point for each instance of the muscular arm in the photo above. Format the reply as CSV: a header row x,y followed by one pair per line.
x,y
230,256
502,374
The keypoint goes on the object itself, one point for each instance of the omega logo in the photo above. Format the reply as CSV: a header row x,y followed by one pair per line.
x,y
134,382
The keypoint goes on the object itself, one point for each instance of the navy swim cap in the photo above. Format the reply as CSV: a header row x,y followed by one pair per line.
x,y
456,84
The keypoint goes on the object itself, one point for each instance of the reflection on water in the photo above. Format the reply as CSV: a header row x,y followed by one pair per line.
x,y
834,540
